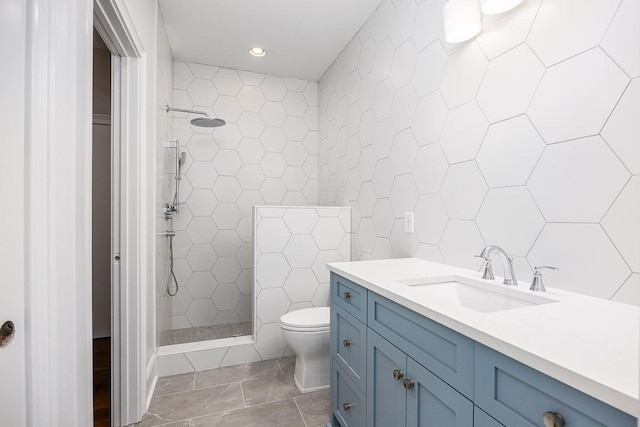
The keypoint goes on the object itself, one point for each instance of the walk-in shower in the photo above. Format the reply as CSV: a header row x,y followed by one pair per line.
x,y
192,285
174,207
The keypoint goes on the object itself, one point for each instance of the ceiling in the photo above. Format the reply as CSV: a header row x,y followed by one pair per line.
x,y
302,37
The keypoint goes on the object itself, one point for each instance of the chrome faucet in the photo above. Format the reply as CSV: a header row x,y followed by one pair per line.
x,y
507,262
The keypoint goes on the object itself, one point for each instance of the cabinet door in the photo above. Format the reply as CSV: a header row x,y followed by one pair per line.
x,y
481,419
386,396
433,403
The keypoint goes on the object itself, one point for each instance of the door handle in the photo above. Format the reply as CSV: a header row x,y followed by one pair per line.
x,y
7,331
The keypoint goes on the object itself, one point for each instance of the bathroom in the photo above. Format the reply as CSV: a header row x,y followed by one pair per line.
x,y
521,136
468,138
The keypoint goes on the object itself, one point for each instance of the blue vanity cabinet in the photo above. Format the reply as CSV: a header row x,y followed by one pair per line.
x,y
401,392
392,367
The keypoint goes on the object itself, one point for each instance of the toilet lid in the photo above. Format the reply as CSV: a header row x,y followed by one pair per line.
x,y
307,318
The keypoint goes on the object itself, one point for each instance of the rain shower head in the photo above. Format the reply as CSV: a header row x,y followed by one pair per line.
x,y
207,122
204,122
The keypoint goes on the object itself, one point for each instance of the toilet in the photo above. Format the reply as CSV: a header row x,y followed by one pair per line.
x,y
306,332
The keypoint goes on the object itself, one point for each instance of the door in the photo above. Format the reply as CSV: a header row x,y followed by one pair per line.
x,y
12,87
481,419
386,395
433,403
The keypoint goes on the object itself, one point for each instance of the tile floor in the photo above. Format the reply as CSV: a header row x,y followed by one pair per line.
x,y
255,394
206,333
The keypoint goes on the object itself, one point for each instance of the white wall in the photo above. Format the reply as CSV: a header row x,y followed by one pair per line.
x,y
265,154
165,182
526,137
101,195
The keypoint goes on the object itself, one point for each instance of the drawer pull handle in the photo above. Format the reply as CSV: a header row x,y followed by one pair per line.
x,y
346,343
407,384
397,374
347,406
552,419
346,295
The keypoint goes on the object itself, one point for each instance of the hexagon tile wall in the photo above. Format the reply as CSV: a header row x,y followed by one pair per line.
x,y
293,246
265,154
526,137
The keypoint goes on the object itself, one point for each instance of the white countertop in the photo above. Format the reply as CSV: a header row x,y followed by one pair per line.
x,y
588,343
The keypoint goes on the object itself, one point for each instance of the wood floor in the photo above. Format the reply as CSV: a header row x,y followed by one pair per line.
x,y
102,382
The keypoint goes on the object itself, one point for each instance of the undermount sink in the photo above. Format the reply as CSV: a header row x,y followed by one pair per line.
x,y
475,295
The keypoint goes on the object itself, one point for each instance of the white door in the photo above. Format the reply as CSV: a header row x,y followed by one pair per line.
x,y
12,180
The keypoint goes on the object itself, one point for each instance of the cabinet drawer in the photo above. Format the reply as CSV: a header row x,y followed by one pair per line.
x,y
349,296
517,395
481,419
444,352
349,345
347,401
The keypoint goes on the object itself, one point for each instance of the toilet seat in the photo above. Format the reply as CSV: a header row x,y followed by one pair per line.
x,y
314,319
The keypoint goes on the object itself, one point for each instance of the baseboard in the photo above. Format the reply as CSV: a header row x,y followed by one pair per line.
x,y
152,379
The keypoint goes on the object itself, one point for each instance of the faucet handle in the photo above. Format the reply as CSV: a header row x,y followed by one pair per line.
x,y
487,274
537,269
536,284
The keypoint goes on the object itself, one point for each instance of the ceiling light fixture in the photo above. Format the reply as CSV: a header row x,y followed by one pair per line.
x,y
462,20
495,7
257,51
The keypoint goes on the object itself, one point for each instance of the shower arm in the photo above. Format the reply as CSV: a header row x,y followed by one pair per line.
x,y
183,110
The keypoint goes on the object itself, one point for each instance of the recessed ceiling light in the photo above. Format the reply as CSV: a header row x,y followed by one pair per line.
x,y
257,51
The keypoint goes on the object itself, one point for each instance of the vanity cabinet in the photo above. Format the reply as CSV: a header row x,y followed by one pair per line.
x,y
392,367
401,392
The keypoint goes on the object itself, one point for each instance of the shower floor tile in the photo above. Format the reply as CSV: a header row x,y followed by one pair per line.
x,y
206,333
250,395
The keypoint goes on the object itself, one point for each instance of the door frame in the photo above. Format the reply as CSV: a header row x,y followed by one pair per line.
x,y
128,62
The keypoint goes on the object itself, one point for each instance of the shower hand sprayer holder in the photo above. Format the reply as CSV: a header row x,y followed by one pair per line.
x,y
171,208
